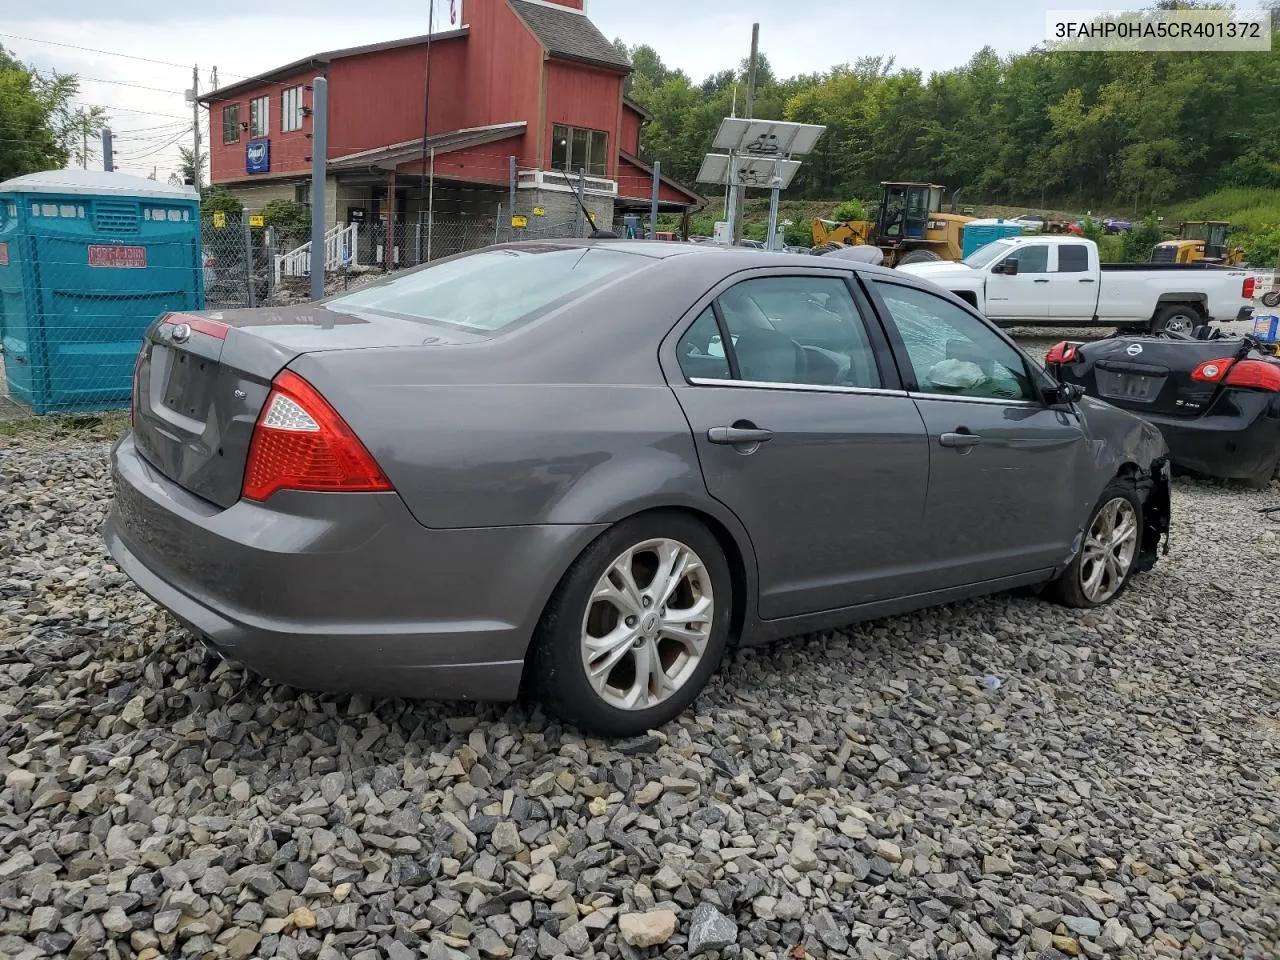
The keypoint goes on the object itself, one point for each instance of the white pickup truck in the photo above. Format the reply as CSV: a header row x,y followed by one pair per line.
x,y
1058,280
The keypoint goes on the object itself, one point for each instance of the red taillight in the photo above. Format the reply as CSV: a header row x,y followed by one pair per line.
x,y
1247,290
300,443
1064,352
1212,371
1255,374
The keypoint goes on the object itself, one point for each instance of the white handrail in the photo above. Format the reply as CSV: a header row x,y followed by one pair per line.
x,y
341,247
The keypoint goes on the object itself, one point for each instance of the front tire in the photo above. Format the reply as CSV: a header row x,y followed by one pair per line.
x,y
1262,479
919,256
1271,298
1107,558
636,627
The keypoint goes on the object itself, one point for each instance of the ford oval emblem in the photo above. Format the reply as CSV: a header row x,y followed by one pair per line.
x,y
181,333
1134,349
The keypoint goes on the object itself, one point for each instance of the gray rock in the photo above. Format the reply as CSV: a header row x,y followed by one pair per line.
x,y
709,929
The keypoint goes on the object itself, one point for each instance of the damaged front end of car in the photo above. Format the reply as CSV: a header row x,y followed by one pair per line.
x,y
1155,487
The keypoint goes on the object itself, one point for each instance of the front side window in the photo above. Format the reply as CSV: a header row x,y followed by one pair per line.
x,y
799,330
1032,259
259,111
952,352
231,123
491,290
291,109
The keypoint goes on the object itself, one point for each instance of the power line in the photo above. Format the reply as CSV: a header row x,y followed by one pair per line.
x,y
109,53
149,113
125,83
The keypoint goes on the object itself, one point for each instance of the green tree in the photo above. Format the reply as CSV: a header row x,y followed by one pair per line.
x,y
849,210
190,170
291,220
39,125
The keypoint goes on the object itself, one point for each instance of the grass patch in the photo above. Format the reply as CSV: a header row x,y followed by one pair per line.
x,y
79,426
1247,208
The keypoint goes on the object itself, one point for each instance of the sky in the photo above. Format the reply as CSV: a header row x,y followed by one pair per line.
x,y
245,37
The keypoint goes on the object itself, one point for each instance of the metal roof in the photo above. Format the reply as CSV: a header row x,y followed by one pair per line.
x,y
96,182
567,33
319,60
442,143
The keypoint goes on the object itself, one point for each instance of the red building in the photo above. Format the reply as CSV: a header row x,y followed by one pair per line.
x,y
529,79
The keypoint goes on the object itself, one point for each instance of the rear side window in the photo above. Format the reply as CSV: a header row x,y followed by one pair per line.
x,y
1073,258
494,289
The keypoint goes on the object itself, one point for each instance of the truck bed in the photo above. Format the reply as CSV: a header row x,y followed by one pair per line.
x,y
1117,267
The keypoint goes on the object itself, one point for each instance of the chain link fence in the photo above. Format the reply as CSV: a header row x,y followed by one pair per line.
x,y
72,328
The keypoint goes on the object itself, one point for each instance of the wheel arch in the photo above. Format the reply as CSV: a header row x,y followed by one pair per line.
x,y
730,536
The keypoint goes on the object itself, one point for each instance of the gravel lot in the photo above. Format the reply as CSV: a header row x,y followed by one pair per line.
x,y
871,793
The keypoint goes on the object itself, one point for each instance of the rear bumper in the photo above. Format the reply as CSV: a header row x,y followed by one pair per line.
x,y
1233,447
340,592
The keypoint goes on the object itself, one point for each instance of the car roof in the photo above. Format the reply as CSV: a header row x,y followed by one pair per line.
x,y
745,257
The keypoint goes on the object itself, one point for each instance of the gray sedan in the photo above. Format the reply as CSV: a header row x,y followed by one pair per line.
x,y
590,467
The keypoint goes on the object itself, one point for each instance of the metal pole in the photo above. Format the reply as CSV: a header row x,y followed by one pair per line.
x,y
431,204
248,262
269,240
512,199
733,198
773,206
653,206
195,126
107,164
740,194
497,225
582,195
319,155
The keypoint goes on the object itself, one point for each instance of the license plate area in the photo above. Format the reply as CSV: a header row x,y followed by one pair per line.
x,y
1133,387
189,380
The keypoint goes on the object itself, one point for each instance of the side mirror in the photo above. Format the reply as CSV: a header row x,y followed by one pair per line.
x,y
1064,394
1010,267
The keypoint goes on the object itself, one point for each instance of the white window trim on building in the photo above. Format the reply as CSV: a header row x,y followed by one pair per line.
x,y
291,109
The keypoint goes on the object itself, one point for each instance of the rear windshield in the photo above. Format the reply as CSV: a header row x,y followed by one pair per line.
x,y
493,289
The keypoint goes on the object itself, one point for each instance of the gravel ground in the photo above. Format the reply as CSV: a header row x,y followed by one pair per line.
x,y
995,778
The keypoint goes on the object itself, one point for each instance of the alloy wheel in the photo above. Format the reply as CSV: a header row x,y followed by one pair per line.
x,y
647,624
1109,550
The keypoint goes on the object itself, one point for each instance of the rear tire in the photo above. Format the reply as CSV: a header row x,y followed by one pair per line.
x,y
1180,318
919,256
1101,571
650,641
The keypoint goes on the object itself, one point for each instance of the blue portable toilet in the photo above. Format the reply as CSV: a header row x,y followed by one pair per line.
x,y
87,260
979,233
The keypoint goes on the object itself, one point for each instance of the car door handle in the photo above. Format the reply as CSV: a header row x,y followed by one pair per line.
x,y
1045,280
1087,280
961,441
732,436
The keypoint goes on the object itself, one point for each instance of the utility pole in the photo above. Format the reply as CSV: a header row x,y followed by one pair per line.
x,y
84,143
319,160
195,125
739,192
107,164
214,85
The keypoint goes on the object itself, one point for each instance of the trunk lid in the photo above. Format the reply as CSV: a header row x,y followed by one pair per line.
x,y
1149,375
202,379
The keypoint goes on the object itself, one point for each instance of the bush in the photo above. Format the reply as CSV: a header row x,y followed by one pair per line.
x,y
850,210
220,200
1261,246
291,220
798,234
1139,241
1092,229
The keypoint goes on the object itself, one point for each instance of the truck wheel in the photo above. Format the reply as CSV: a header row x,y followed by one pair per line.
x,y
1180,318
919,256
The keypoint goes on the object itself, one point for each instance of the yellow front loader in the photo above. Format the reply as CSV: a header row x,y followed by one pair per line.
x,y
909,226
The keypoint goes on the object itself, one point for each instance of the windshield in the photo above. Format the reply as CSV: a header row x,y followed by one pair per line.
x,y
988,254
491,290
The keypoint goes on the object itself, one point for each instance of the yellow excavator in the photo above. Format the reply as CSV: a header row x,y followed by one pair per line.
x,y
908,226
1200,241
